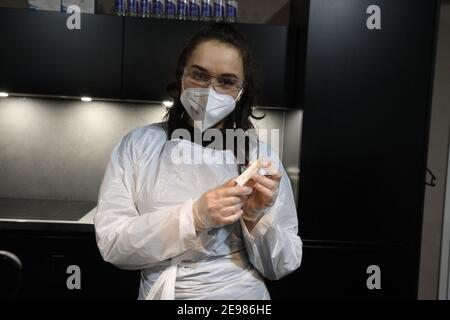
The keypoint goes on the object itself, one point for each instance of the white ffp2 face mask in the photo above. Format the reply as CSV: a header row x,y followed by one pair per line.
x,y
206,107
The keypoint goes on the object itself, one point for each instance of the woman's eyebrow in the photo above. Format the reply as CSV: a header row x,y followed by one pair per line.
x,y
232,75
200,68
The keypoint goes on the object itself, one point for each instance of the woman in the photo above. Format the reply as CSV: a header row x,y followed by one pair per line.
x,y
192,231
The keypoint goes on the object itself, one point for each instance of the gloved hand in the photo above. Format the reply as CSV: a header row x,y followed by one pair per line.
x,y
220,206
265,192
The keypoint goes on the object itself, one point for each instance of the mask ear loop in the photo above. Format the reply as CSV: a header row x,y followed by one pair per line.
x,y
236,101
182,84
182,89
239,95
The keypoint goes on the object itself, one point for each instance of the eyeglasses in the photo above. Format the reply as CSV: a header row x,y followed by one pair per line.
x,y
222,84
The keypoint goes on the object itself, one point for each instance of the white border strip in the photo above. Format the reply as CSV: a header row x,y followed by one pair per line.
x,y
444,279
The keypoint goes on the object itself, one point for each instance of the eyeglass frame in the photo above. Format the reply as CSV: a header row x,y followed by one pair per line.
x,y
213,78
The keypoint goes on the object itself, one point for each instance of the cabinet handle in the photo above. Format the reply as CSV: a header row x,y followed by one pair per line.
x,y
432,182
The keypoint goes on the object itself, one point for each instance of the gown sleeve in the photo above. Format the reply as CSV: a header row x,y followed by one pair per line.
x,y
135,240
273,245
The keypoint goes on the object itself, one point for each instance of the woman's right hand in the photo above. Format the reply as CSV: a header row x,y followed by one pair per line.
x,y
220,206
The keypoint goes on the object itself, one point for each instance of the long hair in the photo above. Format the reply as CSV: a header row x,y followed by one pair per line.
x,y
240,118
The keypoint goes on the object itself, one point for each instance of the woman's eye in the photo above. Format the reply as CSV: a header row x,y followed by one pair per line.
x,y
200,76
227,81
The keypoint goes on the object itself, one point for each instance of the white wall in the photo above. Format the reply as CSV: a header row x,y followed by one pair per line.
x,y
437,162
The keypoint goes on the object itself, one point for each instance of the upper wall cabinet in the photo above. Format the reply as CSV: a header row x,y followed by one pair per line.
x,y
125,58
275,59
152,48
40,55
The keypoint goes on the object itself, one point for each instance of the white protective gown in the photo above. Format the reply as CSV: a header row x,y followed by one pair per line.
x,y
144,222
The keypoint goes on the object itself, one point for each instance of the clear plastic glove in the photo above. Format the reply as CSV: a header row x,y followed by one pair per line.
x,y
265,192
220,206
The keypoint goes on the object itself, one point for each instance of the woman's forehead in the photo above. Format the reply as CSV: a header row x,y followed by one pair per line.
x,y
217,58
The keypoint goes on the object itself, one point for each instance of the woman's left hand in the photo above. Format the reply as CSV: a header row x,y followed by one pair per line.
x,y
264,195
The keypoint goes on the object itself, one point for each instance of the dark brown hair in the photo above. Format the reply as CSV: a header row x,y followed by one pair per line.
x,y
229,35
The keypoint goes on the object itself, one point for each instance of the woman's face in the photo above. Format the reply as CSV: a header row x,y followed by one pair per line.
x,y
219,60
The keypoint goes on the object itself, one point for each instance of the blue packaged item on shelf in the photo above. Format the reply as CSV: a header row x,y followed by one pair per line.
x,y
182,9
157,8
120,8
145,8
170,9
231,10
207,10
219,10
194,10
132,8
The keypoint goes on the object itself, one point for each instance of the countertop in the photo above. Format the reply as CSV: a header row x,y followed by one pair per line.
x,y
47,214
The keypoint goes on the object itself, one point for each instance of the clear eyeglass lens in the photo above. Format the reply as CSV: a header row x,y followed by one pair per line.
x,y
221,84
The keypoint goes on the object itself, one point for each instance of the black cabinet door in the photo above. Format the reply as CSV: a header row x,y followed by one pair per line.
x,y
351,271
151,50
66,265
152,47
274,50
40,55
367,98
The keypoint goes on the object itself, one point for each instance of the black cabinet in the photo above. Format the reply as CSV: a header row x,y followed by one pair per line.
x,y
151,51
53,255
367,100
366,120
40,55
125,58
152,48
348,271
62,261
274,49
